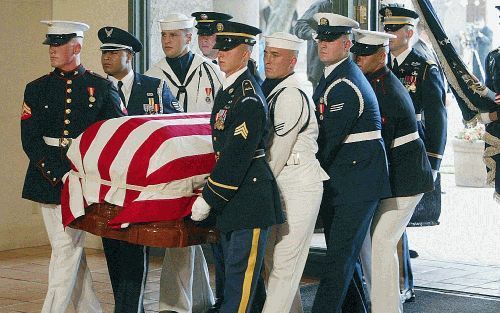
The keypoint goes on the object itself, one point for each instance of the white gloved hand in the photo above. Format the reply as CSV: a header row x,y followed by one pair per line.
x,y
200,209
434,174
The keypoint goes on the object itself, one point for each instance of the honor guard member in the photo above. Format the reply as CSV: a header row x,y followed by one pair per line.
x,y
128,263
292,158
206,38
58,107
194,80
241,189
351,150
409,168
424,82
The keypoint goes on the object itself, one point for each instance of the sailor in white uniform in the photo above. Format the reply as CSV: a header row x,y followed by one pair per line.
x,y
194,80
292,157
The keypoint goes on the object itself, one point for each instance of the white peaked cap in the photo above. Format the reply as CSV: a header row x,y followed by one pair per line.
x,y
65,27
175,21
335,20
372,38
284,41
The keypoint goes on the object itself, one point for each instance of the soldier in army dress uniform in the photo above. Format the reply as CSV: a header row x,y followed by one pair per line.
x,y
127,262
352,152
57,108
194,80
241,189
424,82
409,168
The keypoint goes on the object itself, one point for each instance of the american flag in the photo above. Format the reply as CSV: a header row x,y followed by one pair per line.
x,y
152,166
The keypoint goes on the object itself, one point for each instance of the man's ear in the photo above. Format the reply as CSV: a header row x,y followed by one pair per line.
x,y
77,48
410,33
189,37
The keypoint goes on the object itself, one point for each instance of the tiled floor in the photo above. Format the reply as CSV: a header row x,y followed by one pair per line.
x,y
23,279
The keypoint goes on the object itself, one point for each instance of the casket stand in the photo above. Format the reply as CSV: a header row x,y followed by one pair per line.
x,y
167,234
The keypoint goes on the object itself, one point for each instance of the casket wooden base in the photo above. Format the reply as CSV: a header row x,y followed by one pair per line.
x,y
168,234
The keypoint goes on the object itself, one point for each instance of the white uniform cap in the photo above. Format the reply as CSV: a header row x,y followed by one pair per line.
x,y
284,41
335,20
175,21
65,27
372,38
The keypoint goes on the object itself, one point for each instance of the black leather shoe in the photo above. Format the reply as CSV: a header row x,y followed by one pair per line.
x,y
216,307
413,254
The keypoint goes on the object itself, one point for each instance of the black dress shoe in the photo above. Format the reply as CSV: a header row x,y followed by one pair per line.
x,y
413,254
216,307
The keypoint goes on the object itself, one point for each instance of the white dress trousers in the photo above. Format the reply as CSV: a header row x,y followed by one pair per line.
x,y
388,225
70,280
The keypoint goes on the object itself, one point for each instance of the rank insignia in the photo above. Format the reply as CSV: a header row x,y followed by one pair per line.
x,y
220,27
26,113
231,90
241,130
91,92
220,118
208,92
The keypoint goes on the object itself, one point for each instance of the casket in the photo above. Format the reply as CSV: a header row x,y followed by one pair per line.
x,y
135,179
168,234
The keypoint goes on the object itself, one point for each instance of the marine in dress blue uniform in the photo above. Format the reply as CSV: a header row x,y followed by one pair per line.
x,y
409,168
127,262
241,189
423,80
351,150
58,107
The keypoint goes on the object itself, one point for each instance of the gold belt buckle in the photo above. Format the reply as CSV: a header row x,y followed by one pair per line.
x,y
65,142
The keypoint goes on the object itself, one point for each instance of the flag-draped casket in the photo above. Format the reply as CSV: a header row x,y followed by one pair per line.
x,y
136,175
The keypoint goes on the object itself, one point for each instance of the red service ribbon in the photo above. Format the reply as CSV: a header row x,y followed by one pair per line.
x,y
91,91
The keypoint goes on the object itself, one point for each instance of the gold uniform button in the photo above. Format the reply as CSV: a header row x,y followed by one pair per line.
x,y
353,162
215,138
48,172
68,100
68,111
43,164
54,179
69,82
66,122
66,132
68,90
254,179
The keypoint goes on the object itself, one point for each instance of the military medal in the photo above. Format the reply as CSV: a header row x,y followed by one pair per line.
x,y
220,118
321,107
208,91
91,91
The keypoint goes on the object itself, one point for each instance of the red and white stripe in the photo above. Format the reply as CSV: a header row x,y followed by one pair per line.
x,y
152,166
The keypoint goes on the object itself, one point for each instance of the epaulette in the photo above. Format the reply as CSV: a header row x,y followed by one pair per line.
x,y
429,63
247,86
95,74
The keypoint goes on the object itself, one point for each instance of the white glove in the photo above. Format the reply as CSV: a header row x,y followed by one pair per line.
x,y
434,174
200,209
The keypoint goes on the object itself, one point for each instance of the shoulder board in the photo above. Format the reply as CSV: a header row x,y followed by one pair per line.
x,y
247,87
430,62
95,74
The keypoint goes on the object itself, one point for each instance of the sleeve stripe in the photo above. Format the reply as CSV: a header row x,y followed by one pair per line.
x,y
216,193
434,155
211,181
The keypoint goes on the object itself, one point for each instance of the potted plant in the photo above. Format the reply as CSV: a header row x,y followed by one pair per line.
x,y
468,149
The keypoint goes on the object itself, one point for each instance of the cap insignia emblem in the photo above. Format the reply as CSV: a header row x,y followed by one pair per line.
x,y
204,16
324,21
108,32
388,12
220,27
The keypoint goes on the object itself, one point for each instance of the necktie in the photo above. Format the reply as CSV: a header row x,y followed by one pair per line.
x,y
120,92
395,65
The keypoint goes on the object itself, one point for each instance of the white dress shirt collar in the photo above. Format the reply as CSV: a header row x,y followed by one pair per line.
x,y
329,69
401,58
127,81
232,78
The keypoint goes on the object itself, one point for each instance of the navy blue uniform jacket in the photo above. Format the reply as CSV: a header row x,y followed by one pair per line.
x,y
60,105
144,88
409,168
347,105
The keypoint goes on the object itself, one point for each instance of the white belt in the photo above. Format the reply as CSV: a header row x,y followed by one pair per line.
x,y
404,139
365,136
297,158
418,117
57,142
